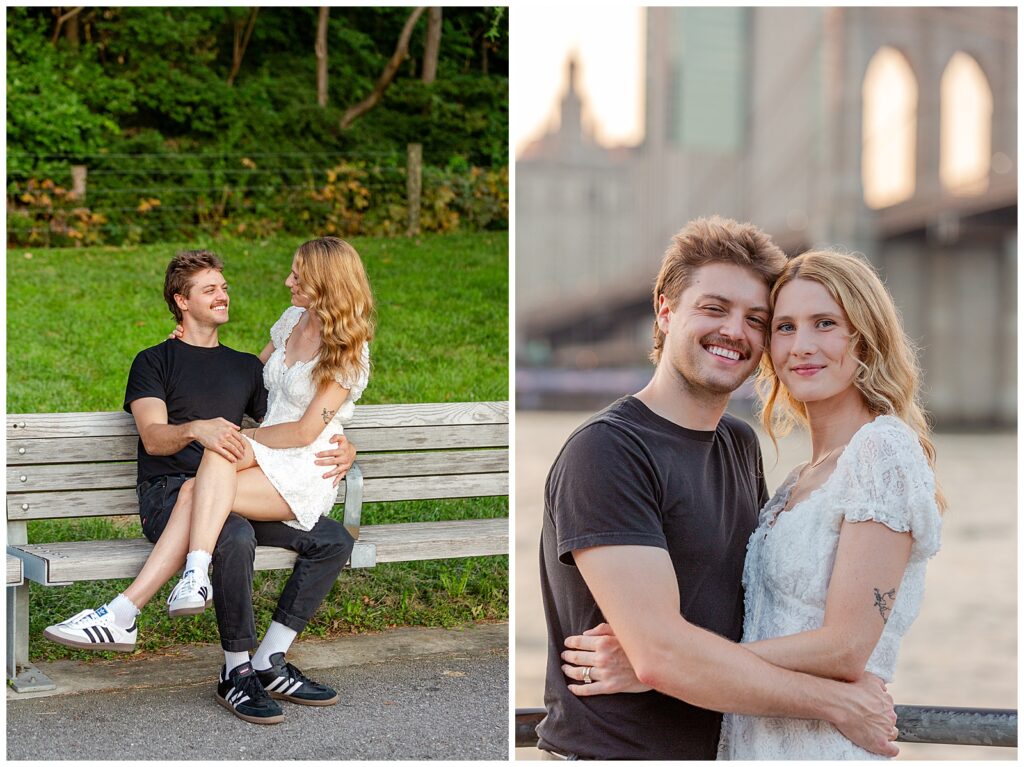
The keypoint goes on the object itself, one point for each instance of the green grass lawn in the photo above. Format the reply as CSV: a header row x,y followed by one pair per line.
x,y
77,317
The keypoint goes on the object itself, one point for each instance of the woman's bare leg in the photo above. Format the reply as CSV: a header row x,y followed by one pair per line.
x,y
213,497
168,553
257,499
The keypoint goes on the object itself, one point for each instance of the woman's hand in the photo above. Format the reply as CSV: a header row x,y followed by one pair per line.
x,y
599,650
178,332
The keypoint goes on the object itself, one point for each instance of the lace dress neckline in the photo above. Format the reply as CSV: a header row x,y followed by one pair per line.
x,y
794,477
284,346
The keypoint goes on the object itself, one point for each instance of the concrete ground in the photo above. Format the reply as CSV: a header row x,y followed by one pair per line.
x,y
411,694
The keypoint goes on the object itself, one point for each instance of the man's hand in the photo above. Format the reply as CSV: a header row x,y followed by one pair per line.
x,y
610,671
868,718
220,436
341,458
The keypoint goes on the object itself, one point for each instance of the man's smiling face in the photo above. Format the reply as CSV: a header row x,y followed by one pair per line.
x,y
207,302
715,333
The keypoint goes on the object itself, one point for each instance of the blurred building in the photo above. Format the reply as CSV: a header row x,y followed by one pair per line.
x,y
887,131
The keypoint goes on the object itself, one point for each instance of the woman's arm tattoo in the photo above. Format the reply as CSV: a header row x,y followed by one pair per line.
x,y
883,601
329,414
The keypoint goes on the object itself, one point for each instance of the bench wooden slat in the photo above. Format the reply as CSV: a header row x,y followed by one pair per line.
x,y
14,573
97,560
108,476
119,423
108,503
21,451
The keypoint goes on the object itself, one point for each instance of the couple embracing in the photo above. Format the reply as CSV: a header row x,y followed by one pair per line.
x,y
210,491
675,589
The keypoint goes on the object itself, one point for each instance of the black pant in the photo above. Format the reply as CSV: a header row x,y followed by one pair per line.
x,y
323,552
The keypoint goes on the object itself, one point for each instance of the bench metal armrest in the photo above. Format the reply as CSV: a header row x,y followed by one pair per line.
x,y
353,499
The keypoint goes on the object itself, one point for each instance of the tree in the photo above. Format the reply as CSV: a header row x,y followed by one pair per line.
x,y
71,30
433,45
390,70
321,56
241,42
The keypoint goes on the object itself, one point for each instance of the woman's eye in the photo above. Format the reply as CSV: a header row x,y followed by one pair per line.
x,y
826,323
783,327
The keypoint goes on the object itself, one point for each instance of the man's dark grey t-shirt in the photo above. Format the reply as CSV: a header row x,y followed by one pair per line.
x,y
629,477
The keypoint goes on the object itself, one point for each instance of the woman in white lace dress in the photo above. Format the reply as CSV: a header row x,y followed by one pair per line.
x,y
315,367
834,573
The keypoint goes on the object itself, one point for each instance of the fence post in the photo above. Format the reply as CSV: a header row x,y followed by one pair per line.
x,y
78,174
413,186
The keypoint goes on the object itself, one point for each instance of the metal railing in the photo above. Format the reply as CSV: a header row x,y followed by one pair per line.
x,y
917,724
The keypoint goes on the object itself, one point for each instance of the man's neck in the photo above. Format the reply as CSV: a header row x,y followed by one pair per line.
x,y
674,399
196,335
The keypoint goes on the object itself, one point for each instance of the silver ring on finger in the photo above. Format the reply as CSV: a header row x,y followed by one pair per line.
x,y
586,675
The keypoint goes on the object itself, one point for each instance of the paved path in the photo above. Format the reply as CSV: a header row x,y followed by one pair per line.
x,y
411,694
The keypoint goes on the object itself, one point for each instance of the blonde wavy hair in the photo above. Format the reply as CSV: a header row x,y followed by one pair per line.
x,y
331,276
888,375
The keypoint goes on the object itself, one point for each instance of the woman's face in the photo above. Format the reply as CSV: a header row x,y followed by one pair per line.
x,y
292,283
810,342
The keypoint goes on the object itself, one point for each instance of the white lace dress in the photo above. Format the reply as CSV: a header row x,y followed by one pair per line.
x,y
882,475
290,389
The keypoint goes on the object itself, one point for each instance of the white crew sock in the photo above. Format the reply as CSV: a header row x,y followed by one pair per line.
x,y
277,639
199,561
123,611
233,660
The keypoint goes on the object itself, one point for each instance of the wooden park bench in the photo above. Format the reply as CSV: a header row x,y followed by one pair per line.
x,y
75,465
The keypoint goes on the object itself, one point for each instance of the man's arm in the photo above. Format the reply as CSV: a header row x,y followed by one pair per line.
x,y
341,458
636,589
161,438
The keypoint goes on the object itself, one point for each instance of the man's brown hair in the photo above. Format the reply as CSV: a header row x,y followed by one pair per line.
x,y
708,241
183,267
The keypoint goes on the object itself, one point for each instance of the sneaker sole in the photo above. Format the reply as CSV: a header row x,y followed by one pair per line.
x,y
251,719
304,701
178,612
83,645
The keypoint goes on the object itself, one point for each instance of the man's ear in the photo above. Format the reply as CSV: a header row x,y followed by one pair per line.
x,y
664,313
181,301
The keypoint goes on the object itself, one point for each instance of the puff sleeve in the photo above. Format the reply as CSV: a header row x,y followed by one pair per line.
x,y
884,476
281,329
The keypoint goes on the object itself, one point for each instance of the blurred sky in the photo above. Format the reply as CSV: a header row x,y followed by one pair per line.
x,y
609,43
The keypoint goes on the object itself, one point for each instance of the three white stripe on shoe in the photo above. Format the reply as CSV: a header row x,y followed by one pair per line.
x,y
236,697
281,682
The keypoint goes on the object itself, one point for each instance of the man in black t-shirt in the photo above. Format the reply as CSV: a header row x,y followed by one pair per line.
x,y
188,395
648,510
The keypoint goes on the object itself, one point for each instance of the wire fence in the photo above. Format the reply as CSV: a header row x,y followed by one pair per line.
x,y
54,200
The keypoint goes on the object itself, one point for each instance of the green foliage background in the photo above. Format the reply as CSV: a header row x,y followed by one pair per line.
x,y
172,149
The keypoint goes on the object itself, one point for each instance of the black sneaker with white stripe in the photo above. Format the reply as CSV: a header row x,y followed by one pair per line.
x,y
93,630
285,682
241,693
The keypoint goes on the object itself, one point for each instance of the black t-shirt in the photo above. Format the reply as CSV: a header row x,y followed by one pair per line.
x,y
631,477
196,383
